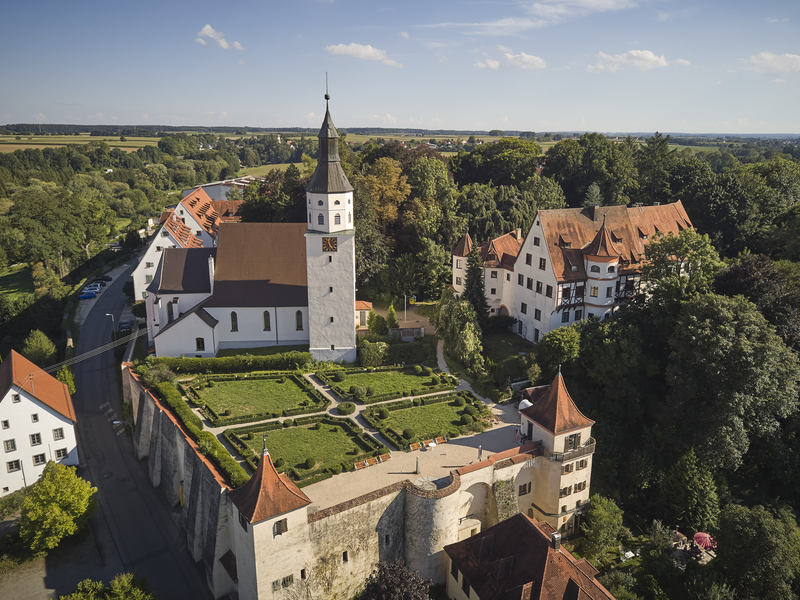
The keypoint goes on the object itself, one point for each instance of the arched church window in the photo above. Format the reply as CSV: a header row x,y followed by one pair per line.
x,y
348,200
298,318
611,269
234,321
266,321
321,219
595,269
337,219
337,202
319,203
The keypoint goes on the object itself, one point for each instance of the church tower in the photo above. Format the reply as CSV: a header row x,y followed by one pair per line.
x,y
331,253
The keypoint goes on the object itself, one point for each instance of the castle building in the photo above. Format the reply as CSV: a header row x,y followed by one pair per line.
x,y
265,283
573,263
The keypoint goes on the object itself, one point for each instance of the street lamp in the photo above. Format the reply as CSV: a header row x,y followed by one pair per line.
x,y
405,309
112,319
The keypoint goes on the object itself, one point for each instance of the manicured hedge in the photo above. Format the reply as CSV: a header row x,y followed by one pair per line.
x,y
346,408
208,443
288,361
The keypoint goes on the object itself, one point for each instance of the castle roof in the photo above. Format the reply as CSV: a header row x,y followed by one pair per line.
x,y
501,251
517,560
17,370
259,265
464,246
267,494
228,210
602,245
554,409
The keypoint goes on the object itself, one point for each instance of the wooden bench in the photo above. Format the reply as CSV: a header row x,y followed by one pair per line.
x,y
414,446
385,457
427,443
361,465
372,461
440,440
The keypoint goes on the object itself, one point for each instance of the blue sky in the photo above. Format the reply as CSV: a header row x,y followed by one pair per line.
x,y
718,66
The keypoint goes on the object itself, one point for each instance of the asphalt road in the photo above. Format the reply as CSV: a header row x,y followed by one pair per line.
x,y
132,525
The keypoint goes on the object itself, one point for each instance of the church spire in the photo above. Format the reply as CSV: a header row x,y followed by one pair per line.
x,y
329,176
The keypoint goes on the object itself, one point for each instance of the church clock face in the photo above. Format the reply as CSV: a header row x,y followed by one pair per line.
x,y
329,244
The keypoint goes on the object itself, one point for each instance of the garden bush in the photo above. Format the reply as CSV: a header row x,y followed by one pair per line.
x,y
435,380
466,419
336,469
279,463
458,402
471,410
310,462
383,413
416,401
417,369
339,376
287,423
429,371
408,434
346,408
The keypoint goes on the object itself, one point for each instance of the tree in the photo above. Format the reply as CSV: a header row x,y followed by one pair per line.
x,y
593,196
654,163
372,252
603,524
730,378
55,507
687,262
457,325
391,318
379,326
388,190
125,586
394,581
372,354
474,291
689,495
38,348
560,347
65,375
759,551
507,162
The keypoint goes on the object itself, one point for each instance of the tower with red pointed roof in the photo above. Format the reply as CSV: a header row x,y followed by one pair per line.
x,y
561,481
601,260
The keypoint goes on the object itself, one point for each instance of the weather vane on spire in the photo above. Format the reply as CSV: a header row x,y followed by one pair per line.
x,y
327,95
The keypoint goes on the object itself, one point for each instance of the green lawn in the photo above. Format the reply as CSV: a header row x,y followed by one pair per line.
x,y
504,348
328,445
253,397
17,280
265,351
426,421
387,382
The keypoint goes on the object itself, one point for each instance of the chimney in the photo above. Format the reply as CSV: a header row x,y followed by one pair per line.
x,y
595,212
211,273
176,306
656,203
556,541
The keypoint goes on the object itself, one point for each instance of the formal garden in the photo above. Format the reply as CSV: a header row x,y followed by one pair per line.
x,y
307,449
368,385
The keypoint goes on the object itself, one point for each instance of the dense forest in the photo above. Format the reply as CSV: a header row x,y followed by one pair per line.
x,y
694,387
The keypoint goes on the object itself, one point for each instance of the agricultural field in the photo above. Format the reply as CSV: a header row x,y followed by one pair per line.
x,y
9,143
17,280
256,396
263,169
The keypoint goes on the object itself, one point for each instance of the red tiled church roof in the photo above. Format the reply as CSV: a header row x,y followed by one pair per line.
x,y
554,409
517,560
267,494
17,370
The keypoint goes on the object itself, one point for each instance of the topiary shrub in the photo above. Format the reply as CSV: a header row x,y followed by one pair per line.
x,y
310,462
281,379
346,408
435,380
471,410
250,436
383,413
429,371
408,434
417,369
339,376
458,402
466,419
279,463
370,391
336,469
287,423
416,401
211,383
316,426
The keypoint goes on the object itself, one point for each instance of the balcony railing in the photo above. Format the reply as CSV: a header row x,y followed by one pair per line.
x,y
571,301
624,294
587,448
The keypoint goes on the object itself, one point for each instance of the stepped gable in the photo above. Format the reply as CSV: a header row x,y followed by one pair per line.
x,y
554,409
17,370
464,246
502,251
517,560
200,205
267,494
328,177
603,246
182,234
260,264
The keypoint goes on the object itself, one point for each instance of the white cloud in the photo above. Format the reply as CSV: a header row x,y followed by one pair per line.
x,y
512,61
489,64
767,62
776,20
39,117
642,60
241,62
219,37
224,115
361,51
778,81
144,116
211,112
404,34
386,119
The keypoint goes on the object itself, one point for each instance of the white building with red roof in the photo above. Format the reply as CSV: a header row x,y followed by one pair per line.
x,y
37,423
573,263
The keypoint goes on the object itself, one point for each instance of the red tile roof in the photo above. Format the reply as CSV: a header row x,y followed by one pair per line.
x,y
228,210
516,560
554,409
464,246
200,205
182,234
625,231
17,370
165,215
267,494
602,245
502,251
363,305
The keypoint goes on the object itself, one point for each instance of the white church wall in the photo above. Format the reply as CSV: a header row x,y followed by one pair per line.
x,y
182,339
250,331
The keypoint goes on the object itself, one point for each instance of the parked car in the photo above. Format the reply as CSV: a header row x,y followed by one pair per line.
x,y
91,288
87,295
100,282
126,325
105,277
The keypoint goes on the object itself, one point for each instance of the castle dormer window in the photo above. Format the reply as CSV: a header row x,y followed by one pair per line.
x,y
595,269
612,269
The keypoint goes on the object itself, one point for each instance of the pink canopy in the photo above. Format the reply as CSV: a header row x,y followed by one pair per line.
x,y
705,541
